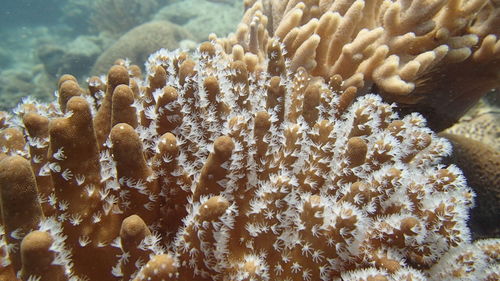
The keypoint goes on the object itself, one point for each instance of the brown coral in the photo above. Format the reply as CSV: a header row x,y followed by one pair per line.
x,y
224,171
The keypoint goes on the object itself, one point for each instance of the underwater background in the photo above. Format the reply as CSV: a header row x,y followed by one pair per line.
x,y
41,40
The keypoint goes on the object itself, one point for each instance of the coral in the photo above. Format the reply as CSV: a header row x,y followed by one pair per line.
x,y
482,126
138,43
480,164
214,169
437,57
461,264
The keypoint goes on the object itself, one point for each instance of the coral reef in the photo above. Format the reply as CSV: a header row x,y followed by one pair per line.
x,y
214,169
138,43
436,57
476,150
258,158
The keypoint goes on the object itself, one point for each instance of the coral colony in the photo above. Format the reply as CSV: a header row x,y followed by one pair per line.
x,y
243,161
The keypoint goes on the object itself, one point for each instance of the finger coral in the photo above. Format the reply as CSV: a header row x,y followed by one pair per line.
x,y
437,57
213,169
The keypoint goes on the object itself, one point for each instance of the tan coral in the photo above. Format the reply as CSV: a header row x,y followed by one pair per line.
x,y
436,57
482,125
226,172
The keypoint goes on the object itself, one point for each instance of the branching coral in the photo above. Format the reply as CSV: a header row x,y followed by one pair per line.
x,y
437,57
213,169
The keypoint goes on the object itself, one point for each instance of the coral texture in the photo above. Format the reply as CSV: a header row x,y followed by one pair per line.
x,y
483,126
437,57
214,169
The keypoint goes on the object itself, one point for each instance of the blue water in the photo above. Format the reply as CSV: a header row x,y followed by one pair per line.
x,y
29,12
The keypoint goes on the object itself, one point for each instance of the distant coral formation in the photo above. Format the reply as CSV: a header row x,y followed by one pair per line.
x,y
138,43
